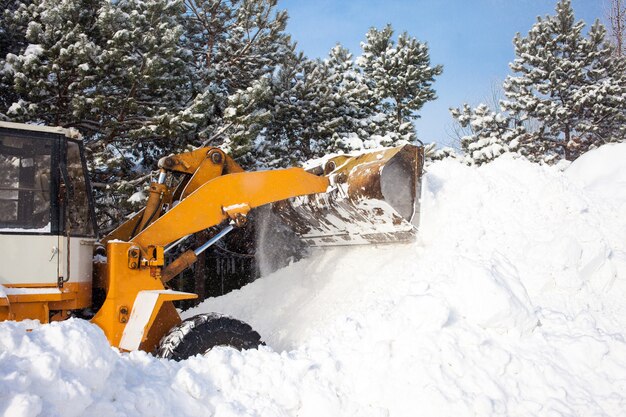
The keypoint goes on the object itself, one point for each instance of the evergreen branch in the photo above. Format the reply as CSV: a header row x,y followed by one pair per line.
x,y
216,135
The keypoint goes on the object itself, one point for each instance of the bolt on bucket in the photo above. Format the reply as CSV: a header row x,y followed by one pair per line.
x,y
373,198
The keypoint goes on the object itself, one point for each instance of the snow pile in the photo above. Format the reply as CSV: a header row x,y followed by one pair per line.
x,y
602,174
511,303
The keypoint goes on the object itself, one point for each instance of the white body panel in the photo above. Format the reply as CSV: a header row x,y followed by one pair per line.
x,y
42,259
143,309
29,259
81,259
31,291
139,317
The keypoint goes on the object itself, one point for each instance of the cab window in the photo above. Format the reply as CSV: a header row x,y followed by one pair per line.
x,y
79,219
25,184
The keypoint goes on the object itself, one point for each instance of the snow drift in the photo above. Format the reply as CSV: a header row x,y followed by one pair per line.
x,y
512,303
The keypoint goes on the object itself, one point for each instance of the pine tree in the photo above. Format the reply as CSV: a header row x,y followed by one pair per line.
x,y
143,85
351,99
300,107
233,43
248,114
277,121
49,72
144,79
12,41
305,110
570,83
490,134
401,76
269,118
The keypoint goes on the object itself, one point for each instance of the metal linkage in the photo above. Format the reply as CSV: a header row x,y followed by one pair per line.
x,y
214,239
173,245
162,176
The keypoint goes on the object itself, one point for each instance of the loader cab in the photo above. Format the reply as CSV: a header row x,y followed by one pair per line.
x,y
47,222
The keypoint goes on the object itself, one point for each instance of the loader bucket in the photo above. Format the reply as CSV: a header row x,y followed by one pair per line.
x,y
373,198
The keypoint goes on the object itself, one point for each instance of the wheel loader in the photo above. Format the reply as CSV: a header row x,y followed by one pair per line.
x,y
56,266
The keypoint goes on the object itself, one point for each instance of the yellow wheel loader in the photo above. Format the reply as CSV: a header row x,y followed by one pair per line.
x,y
55,266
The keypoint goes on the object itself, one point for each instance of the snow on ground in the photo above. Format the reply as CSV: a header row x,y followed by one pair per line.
x,y
512,303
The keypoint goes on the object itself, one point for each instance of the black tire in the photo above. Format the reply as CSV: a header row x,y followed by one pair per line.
x,y
201,333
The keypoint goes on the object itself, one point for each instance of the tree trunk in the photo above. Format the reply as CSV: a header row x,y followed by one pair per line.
x,y
566,145
398,113
617,19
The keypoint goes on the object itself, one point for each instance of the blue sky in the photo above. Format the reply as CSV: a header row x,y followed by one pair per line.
x,y
471,38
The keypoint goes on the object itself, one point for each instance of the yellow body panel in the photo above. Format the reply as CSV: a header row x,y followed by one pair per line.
x,y
124,285
34,302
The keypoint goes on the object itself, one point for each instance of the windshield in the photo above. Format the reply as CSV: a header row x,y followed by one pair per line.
x,y
25,168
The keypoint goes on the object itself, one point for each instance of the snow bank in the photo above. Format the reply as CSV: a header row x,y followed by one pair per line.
x,y
601,173
510,304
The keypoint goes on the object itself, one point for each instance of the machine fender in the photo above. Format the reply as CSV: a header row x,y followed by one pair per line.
x,y
144,313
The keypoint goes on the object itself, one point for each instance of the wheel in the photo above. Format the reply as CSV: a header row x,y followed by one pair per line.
x,y
199,334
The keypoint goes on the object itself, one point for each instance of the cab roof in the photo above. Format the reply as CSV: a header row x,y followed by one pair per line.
x,y
68,132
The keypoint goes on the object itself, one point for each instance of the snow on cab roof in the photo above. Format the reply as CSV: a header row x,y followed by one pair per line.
x,y
68,132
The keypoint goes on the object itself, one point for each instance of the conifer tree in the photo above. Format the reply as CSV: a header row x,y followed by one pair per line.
x,y
617,24
49,72
490,134
144,80
351,122
143,85
269,118
570,83
301,105
401,75
307,109
247,115
12,40
233,43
